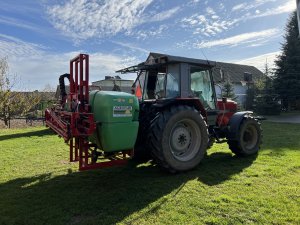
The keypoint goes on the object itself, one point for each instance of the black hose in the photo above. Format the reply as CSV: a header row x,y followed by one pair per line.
x,y
62,85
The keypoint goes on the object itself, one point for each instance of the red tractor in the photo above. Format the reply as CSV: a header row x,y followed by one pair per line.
x,y
174,117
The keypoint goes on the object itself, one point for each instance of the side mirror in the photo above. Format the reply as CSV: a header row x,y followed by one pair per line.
x,y
224,99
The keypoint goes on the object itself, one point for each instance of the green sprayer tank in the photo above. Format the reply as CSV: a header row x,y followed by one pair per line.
x,y
116,115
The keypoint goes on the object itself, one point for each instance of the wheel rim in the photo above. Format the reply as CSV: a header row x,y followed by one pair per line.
x,y
250,137
185,140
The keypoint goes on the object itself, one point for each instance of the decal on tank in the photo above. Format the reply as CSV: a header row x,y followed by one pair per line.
x,y
122,111
119,100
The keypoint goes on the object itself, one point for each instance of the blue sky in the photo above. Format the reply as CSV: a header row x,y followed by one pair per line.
x,y
40,37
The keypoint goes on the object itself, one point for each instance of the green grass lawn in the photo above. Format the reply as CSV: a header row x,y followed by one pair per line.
x,y
39,186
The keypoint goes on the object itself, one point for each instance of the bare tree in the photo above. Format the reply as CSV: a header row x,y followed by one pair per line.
x,y
13,103
48,93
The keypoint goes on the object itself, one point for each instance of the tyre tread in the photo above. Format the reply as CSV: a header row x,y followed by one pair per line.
x,y
235,145
156,134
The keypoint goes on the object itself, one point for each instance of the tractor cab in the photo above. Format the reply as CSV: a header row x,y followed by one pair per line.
x,y
164,80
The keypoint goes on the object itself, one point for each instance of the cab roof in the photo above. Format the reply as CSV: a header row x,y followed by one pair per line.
x,y
155,60
179,59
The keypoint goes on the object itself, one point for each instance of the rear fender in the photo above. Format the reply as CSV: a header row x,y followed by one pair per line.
x,y
234,124
193,102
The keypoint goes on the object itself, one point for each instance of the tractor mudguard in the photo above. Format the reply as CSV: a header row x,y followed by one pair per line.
x,y
234,124
193,102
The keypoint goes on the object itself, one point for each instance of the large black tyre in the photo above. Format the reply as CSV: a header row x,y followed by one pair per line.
x,y
141,148
178,138
249,138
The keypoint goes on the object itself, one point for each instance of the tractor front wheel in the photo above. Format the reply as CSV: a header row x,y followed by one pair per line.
x,y
249,138
178,138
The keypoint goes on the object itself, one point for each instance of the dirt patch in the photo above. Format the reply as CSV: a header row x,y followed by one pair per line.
x,y
21,123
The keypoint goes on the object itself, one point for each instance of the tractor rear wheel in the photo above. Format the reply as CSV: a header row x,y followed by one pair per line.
x,y
141,148
178,138
249,138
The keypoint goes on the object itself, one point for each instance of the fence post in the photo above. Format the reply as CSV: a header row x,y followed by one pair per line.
x,y
8,117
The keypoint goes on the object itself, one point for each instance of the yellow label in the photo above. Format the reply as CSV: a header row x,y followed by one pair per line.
x,y
130,100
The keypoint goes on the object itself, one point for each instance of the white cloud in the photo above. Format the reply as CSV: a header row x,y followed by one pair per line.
x,y
130,46
153,32
246,38
260,60
83,19
17,23
210,11
213,23
207,25
11,46
263,1
162,15
250,5
239,6
285,8
36,67
221,6
193,3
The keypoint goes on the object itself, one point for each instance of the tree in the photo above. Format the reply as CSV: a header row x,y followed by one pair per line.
x,y
287,72
265,98
47,99
13,103
48,93
228,90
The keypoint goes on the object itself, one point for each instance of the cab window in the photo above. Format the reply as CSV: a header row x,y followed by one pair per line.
x,y
172,85
201,86
155,84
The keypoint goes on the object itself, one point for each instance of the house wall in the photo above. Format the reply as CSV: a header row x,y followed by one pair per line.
x,y
110,83
107,85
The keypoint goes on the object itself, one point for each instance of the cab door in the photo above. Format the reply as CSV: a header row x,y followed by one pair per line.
x,y
201,86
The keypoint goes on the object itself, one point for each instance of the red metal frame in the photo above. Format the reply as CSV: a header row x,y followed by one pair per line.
x,y
73,120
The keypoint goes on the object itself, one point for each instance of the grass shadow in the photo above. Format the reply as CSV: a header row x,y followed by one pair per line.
x,y
106,196
220,166
38,133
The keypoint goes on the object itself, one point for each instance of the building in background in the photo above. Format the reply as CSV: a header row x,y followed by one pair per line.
x,y
116,83
110,83
241,76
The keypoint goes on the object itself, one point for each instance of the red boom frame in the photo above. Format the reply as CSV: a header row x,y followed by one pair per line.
x,y
73,120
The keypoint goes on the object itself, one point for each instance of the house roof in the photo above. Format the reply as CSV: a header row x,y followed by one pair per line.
x,y
234,72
